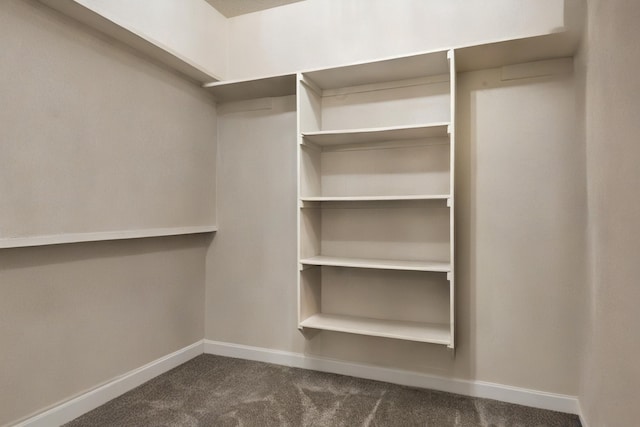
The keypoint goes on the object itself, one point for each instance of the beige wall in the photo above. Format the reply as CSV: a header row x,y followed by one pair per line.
x,y
95,139
74,316
520,218
611,373
251,265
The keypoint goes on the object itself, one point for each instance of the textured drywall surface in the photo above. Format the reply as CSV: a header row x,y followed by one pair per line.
x,y
94,138
611,373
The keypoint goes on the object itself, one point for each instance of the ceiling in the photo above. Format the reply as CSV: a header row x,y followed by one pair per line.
x,y
231,8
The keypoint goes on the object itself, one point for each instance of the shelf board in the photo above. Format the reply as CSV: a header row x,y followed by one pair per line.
x,y
57,239
240,90
383,134
435,333
375,198
380,264
385,70
133,38
516,51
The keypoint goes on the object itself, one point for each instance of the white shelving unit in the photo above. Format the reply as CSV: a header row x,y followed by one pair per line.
x,y
375,163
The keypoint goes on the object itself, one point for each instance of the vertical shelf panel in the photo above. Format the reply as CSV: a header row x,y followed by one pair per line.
x,y
452,158
302,311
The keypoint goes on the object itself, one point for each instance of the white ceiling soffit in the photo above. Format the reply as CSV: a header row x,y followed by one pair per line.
x,y
230,8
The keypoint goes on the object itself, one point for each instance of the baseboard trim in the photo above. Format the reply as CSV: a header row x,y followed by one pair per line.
x,y
583,421
72,409
517,395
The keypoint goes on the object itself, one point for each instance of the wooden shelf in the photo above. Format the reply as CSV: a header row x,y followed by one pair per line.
x,y
385,70
396,133
239,90
380,264
57,239
412,331
375,198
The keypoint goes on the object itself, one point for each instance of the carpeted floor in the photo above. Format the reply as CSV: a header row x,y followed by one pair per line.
x,y
219,391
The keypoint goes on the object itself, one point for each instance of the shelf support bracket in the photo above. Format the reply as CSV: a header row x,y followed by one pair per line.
x,y
448,202
303,267
452,351
310,84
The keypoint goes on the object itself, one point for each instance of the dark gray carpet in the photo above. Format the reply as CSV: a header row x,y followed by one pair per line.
x,y
220,391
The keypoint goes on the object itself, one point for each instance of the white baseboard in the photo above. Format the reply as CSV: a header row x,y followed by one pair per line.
x,y
520,396
72,409
583,421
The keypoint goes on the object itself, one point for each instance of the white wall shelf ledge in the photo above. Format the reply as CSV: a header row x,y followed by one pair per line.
x,y
516,51
381,71
383,134
380,264
434,333
240,90
130,36
58,239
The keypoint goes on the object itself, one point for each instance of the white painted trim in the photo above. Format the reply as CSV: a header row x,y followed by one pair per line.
x,y
583,420
517,395
80,405
57,239
72,409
